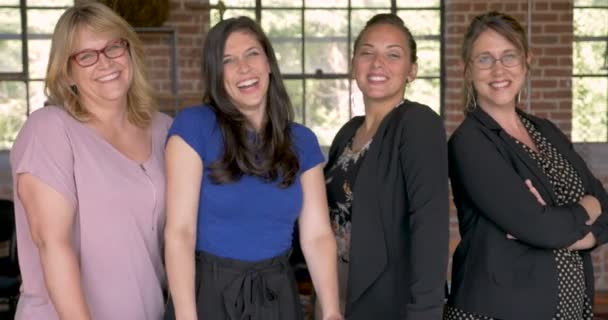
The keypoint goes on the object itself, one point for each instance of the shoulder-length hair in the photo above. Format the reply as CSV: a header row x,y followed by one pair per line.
x,y
270,154
501,23
141,103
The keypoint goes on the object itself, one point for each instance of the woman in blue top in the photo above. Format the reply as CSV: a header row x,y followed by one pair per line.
x,y
239,174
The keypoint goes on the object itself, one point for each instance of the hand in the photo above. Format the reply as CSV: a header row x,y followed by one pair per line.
x,y
535,192
585,243
592,206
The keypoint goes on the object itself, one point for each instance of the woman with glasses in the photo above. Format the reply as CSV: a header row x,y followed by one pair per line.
x,y
529,209
89,180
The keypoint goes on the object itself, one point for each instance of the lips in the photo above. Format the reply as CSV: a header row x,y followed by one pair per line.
x,y
247,83
376,78
500,84
109,77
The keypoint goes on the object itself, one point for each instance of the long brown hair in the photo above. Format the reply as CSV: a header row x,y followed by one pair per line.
x,y
270,154
501,23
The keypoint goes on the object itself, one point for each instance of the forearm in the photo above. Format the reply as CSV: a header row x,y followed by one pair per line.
x,y
321,258
179,261
62,279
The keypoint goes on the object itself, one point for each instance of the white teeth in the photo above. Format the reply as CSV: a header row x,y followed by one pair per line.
x,y
247,83
377,78
500,84
109,77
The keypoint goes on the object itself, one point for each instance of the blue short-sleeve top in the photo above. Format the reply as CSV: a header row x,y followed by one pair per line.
x,y
250,219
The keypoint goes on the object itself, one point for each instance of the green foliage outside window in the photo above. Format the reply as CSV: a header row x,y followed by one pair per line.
x,y
590,71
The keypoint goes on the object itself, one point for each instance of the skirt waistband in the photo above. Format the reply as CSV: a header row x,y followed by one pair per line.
x,y
248,289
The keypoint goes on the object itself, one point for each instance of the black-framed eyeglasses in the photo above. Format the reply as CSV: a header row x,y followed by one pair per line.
x,y
112,50
487,61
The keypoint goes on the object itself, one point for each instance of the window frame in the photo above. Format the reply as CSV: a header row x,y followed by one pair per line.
x,y
589,39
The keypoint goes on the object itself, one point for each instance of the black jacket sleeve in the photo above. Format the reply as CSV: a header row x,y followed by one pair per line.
x,y
497,191
595,188
423,157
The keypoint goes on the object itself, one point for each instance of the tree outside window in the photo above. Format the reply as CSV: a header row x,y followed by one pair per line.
x,y
25,35
590,71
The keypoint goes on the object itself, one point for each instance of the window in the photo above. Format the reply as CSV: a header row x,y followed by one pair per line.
x,y
590,71
25,35
313,40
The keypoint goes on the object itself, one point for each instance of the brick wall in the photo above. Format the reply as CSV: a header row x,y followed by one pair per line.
x,y
190,20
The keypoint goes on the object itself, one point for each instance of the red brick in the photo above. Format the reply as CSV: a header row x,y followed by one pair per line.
x,y
455,7
544,17
562,6
557,94
545,39
540,6
480,7
544,84
567,72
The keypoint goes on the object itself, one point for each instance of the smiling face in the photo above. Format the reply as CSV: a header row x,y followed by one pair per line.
x,y
106,81
382,65
498,86
246,71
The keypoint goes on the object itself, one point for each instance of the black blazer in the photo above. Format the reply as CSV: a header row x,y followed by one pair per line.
x,y
399,240
492,275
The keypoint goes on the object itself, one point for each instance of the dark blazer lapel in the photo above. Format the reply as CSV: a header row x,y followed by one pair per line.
x,y
545,188
369,256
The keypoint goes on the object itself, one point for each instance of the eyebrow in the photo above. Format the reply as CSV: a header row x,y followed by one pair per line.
x,y
246,50
503,52
390,46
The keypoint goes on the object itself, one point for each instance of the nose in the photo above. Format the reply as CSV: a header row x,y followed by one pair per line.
x,y
243,66
104,61
377,60
498,67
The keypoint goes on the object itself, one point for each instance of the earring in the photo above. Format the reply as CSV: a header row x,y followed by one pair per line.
x,y
74,89
471,101
518,100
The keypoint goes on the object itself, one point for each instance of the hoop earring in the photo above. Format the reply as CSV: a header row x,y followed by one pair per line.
x,y
74,89
471,101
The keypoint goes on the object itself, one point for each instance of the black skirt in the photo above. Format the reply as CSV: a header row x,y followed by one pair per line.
x,y
230,289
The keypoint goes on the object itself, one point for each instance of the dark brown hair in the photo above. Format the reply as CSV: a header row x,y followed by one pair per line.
x,y
393,20
269,153
501,23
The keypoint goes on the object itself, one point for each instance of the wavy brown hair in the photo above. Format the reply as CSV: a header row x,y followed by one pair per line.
x,y
141,103
269,153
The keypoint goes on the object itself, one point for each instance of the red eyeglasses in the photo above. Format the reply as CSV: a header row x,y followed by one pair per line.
x,y
89,57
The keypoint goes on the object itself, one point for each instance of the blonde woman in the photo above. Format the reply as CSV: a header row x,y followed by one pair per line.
x,y
89,181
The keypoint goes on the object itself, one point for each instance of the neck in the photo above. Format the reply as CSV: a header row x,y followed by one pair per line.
x,y
255,117
112,114
506,117
375,111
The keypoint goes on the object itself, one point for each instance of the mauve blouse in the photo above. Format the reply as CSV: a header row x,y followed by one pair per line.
x,y
120,213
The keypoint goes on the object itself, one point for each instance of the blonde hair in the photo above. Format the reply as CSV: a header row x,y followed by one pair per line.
x,y
141,103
